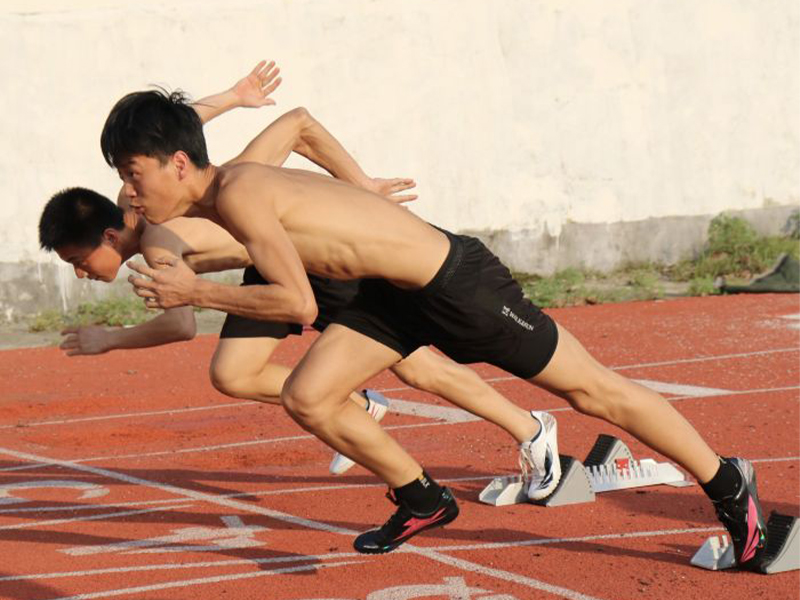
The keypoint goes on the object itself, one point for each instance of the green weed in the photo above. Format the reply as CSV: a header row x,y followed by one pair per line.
x,y
114,312
735,249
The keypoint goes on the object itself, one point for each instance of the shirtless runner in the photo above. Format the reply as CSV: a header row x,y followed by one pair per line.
x,y
421,286
88,231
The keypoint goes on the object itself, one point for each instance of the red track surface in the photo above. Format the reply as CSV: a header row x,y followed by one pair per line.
x,y
104,423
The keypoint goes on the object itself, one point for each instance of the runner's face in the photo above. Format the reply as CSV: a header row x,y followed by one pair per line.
x,y
99,264
152,188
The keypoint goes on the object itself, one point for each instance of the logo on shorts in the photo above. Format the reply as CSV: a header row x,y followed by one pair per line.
x,y
507,312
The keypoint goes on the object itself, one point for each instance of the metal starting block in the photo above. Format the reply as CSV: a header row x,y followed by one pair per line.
x,y
609,466
782,552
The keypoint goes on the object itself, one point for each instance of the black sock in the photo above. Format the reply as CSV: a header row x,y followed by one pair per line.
x,y
725,483
421,495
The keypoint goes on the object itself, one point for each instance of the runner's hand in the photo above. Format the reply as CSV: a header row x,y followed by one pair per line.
x,y
389,188
170,285
255,89
90,339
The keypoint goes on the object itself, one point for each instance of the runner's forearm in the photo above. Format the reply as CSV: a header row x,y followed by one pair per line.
x,y
268,302
213,106
174,325
320,147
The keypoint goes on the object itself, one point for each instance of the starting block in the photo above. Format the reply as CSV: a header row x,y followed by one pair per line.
x,y
609,466
782,552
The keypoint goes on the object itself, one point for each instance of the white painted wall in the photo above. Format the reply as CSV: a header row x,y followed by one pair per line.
x,y
514,114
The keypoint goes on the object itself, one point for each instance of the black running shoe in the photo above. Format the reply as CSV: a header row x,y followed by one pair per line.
x,y
741,515
405,524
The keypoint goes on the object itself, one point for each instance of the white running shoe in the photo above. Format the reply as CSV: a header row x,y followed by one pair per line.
x,y
539,459
377,407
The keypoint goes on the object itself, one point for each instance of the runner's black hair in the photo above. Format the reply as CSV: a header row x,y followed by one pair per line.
x,y
77,216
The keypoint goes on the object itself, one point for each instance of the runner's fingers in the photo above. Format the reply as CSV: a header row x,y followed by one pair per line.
x,y
403,184
269,73
257,69
140,268
143,292
271,87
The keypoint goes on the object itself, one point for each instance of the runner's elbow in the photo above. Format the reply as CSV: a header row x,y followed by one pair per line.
x,y
301,115
187,331
306,312
184,326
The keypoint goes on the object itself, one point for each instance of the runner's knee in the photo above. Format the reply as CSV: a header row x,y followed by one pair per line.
x,y
305,405
239,383
225,380
220,377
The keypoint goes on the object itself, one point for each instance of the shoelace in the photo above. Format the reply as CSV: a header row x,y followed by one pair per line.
x,y
725,515
526,465
397,519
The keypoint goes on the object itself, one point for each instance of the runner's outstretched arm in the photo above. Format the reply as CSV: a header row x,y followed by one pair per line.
x,y
173,325
253,90
298,131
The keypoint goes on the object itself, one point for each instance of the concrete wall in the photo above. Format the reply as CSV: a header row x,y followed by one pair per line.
x,y
525,121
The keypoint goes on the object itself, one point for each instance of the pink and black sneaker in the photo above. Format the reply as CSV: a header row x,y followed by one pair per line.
x,y
405,524
741,515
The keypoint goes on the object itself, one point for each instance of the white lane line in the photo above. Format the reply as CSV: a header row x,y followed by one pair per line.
x,y
580,539
794,321
345,555
666,363
382,390
291,438
677,389
204,581
787,388
151,413
682,361
773,460
186,493
33,466
280,516
279,492
23,467
74,507
116,515
431,411
213,564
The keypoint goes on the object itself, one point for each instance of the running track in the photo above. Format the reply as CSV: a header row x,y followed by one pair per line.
x,y
128,476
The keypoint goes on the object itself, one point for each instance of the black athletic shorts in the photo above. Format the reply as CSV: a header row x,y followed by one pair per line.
x,y
472,310
331,296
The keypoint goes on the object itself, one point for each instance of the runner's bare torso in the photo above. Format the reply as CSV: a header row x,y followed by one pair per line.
x,y
338,230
